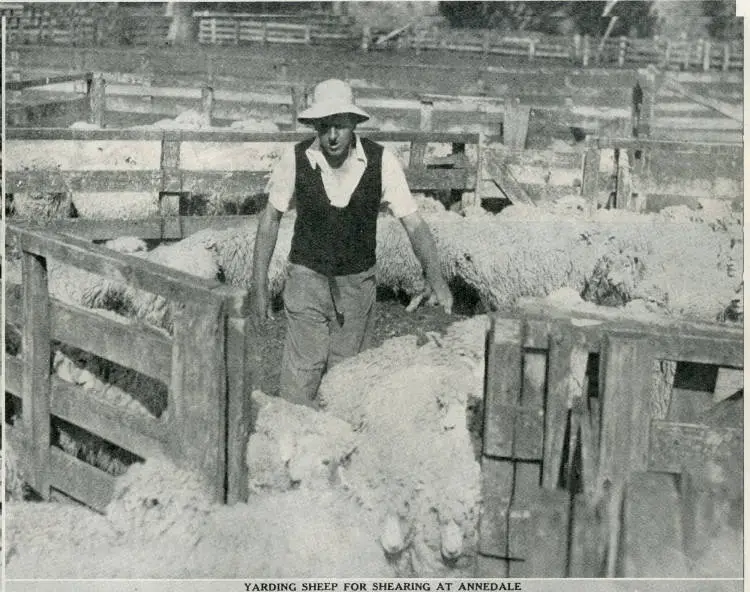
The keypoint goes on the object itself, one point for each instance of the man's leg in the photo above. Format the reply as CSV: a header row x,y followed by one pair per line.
x,y
357,302
308,307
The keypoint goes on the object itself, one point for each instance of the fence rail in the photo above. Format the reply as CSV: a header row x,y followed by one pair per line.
x,y
209,333
700,54
576,420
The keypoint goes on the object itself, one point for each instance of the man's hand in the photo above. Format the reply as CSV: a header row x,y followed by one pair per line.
x,y
431,297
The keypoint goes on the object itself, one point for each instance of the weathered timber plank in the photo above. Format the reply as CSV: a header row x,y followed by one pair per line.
x,y
197,404
625,393
80,480
728,382
707,343
13,303
131,344
146,228
47,181
36,337
528,430
138,434
241,373
526,483
17,439
139,273
13,375
677,447
548,527
568,357
587,539
503,388
590,181
589,425
652,545
491,567
22,84
225,136
497,490
224,182
503,177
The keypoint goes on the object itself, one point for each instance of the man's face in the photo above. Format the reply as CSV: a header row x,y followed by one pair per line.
x,y
335,134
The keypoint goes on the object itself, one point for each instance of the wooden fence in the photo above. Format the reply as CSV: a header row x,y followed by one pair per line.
x,y
234,28
65,25
204,365
700,54
172,162
581,433
648,175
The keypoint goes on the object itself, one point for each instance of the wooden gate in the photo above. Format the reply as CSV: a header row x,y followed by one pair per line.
x,y
586,440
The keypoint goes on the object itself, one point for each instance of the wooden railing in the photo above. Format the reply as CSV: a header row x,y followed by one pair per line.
x,y
235,28
700,54
560,455
204,365
172,162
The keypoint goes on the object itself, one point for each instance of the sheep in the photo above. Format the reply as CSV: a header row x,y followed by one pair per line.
x,y
414,464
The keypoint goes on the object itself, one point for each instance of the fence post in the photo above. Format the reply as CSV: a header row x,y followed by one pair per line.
x,y
308,35
366,34
586,50
207,104
237,31
576,48
213,31
197,405
14,73
515,124
264,33
590,180
97,100
532,49
36,369
725,62
243,344
623,48
425,114
707,55
298,103
486,43
667,54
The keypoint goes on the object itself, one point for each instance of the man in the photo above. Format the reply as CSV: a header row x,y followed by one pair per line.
x,y
338,181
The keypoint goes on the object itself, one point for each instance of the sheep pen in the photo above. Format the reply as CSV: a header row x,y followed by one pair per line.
x,y
385,478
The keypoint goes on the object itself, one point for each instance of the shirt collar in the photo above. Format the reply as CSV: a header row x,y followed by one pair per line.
x,y
315,154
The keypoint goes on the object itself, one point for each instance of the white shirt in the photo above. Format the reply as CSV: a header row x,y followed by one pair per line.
x,y
341,182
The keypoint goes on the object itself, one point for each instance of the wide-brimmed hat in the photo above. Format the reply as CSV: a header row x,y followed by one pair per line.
x,y
331,97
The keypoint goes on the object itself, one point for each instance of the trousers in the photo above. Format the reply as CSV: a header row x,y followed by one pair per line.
x,y
314,339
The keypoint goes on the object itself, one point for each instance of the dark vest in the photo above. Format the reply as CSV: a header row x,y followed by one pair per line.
x,y
331,240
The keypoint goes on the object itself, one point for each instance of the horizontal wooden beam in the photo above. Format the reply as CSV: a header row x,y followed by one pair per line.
x,y
226,135
80,480
677,447
139,273
119,340
22,84
139,434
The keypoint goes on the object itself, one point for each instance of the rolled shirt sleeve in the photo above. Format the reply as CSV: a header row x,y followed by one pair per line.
x,y
396,192
280,187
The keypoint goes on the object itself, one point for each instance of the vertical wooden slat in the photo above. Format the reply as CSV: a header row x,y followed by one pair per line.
x,y
240,375
590,181
515,124
97,100
586,557
207,105
197,401
568,358
497,490
526,484
624,188
528,439
625,392
502,386
36,367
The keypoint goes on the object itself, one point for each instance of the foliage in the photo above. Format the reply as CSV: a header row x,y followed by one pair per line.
x,y
582,16
724,24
